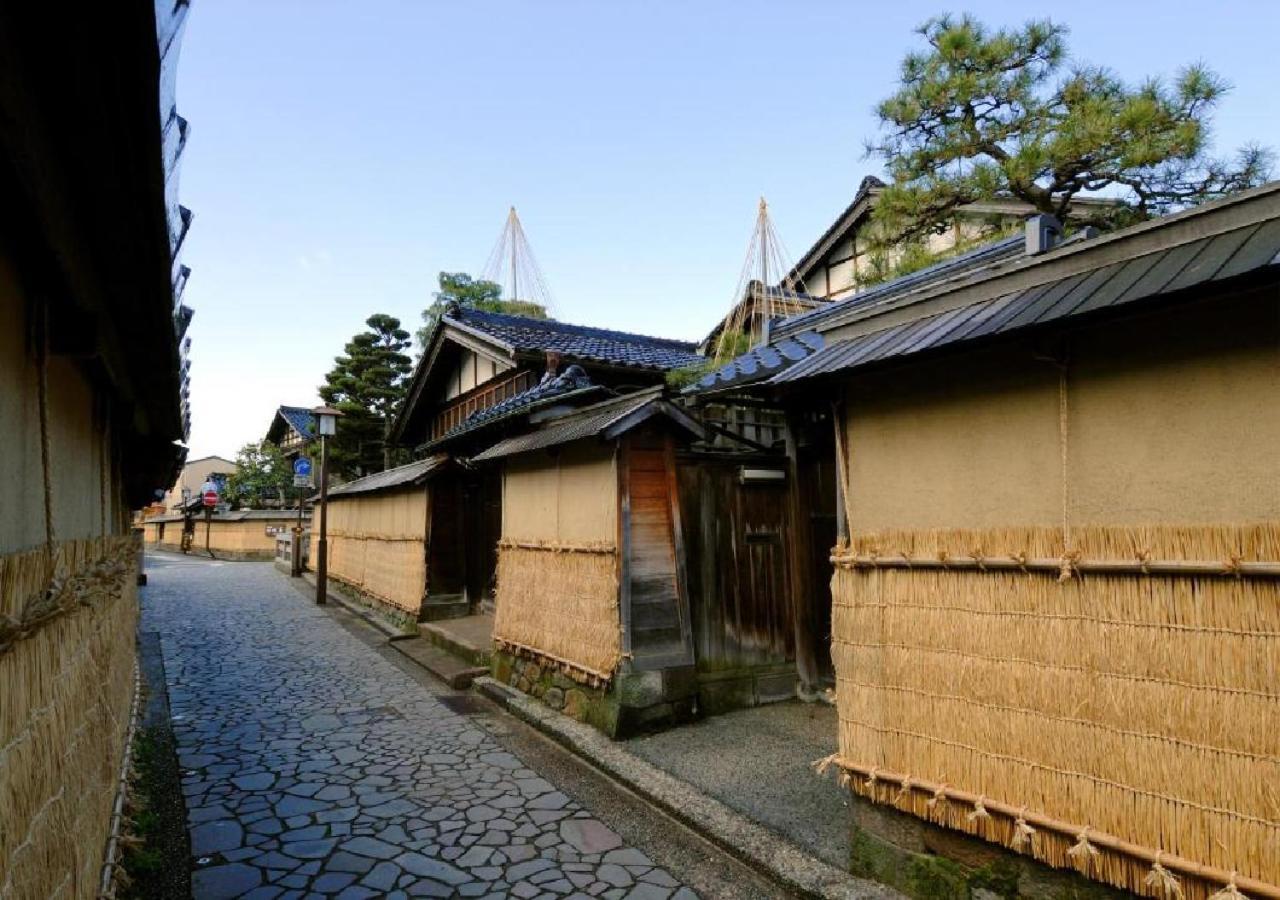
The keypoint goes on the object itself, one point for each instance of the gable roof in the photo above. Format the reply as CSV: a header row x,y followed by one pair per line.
x,y
999,289
517,339
861,203
605,420
798,337
299,418
521,334
1146,277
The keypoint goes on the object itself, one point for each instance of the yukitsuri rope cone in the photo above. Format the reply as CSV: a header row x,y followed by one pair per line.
x,y
67,664
560,601
1126,725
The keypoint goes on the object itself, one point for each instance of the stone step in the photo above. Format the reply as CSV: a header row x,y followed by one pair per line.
x,y
455,672
445,636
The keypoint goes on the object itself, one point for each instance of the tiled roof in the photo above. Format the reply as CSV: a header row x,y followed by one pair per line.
x,y
300,419
760,362
411,474
573,381
601,419
600,345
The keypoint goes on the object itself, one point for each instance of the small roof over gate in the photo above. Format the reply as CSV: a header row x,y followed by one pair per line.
x,y
605,420
412,474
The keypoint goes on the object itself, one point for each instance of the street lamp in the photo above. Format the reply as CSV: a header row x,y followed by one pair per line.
x,y
326,427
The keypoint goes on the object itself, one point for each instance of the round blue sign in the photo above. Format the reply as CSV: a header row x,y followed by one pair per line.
x,y
302,466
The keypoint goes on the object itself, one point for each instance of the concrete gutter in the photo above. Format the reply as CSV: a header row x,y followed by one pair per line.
x,y
774,856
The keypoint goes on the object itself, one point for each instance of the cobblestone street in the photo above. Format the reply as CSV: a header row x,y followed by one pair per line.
x,y
313,766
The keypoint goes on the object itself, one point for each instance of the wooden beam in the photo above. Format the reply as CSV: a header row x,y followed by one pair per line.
x,y
798,561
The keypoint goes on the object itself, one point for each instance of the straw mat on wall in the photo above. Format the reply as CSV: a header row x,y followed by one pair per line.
x,y
1142,707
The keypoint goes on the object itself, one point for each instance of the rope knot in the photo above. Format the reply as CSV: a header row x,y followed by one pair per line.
x,y
1067,566
1232,565
1021,559
872,777
1083,852
944,557
939,794
821,765
1230,892
1022,832
979,810
904,791
1144,561
979,557
1162,880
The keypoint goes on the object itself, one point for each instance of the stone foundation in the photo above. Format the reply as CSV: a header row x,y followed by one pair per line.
x,y
632,703
927,861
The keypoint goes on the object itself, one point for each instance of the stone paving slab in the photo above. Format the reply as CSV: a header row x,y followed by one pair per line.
x,y
315,768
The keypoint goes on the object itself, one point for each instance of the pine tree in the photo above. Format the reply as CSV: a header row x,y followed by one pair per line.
x,y
981,114
367,384
471,293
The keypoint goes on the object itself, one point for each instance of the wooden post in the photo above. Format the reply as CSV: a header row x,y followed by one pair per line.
x,y
322,562
798,562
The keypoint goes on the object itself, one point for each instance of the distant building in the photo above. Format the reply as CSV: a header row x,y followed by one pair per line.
x,y
839,262
292,429
194,474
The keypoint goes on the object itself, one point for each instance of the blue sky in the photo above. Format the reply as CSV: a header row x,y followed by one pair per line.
x,y
343,153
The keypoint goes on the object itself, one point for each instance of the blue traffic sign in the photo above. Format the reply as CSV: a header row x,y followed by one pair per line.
x,y
302,466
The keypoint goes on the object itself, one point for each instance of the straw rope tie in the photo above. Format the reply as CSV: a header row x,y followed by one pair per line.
x,y
1083,852
1230,892
1144,561
1067,566
1022,832
979,558
821,765
1162,880
979,810
903,792
1231,565
939,796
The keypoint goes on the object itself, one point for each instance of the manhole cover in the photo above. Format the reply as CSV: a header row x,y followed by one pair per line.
x,y
462,704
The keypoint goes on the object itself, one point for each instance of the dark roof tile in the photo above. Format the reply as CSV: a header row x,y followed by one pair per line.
x,y
600,345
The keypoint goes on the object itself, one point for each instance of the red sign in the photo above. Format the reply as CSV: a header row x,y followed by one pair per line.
x,y
210,498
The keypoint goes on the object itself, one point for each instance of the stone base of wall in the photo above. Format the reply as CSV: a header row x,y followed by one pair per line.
x,y
401,619
632,703
927,861
729,689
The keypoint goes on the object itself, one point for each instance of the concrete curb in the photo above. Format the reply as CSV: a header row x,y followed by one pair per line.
x,y
751,842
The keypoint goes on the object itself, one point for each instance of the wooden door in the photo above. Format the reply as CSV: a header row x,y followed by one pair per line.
x,y
655,599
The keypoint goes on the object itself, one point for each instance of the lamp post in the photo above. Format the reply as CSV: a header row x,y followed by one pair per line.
x,y
326,427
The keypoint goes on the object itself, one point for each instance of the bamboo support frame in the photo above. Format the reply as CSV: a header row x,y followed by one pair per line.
x,y
1191,568
1249,886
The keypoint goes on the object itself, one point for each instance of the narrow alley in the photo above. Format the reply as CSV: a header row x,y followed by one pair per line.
x,y
315,764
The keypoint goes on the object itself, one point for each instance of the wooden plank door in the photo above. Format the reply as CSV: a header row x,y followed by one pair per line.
x,y
655,599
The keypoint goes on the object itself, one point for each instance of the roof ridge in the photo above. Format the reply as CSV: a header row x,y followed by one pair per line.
x,y
557,325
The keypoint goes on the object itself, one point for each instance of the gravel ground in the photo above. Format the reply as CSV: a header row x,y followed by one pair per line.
x,y
758,762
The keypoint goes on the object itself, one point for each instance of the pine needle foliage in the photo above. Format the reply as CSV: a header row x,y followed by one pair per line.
x,y
367,384
982,114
